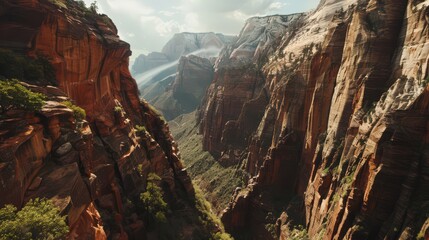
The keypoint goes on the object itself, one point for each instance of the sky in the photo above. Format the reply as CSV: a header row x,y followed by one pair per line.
x,y
148,24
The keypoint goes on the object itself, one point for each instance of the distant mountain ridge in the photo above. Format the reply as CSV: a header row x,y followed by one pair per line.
x,y
179,45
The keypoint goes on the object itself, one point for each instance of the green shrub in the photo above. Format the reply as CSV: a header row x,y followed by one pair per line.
x,y
155,206
13,95
93,7
118,109
39,219
299,233
14,65
59,3
271,228
81,4
78,112
140,129
222,236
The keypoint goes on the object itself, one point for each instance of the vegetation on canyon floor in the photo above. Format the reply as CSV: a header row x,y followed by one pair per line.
x,y
202,165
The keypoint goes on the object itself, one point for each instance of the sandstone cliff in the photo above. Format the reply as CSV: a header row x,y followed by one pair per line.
x,y
184,93
157,70
93,170
331,122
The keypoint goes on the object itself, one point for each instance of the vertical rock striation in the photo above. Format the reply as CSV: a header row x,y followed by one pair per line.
x,y
334,115
92,169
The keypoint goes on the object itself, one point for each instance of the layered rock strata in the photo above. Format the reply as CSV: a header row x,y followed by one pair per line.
x,y
337,138
90,169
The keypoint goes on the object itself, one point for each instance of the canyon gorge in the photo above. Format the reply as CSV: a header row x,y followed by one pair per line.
x,y
304,126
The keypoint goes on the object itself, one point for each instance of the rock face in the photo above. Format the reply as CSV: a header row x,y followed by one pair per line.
x,y
144,63
238,80
94,167
184,94
188,43
332,121
181,44
157,70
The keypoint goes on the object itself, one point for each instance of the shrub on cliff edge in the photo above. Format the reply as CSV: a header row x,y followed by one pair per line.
x,y
33,70
155,206
38,219
78,112
13,95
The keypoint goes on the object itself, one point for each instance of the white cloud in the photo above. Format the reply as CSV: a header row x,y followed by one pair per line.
x,y
163,28
192,22
149,24
130,7
167,13
276,6
238,15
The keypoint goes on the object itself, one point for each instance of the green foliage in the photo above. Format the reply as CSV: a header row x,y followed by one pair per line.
x,y
421,236
14,65
204,207
140,129
299,233
157,113
325,171
222,236
59,3
93,7
13,95
39,219
424,82
81,4
90,11
78,112
271,228
155,206
118,109
208,218
218,181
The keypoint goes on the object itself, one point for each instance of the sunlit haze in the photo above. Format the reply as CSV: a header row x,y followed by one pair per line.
x,y
148,24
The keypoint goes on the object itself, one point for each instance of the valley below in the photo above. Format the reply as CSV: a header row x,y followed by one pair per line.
x,y
310,125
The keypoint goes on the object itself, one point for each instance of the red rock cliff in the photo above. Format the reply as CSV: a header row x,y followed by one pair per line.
x,y
96,169
340,145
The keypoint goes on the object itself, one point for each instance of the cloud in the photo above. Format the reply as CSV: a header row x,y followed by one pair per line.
x,y
276,6
130,7
167,13
163,28
149,24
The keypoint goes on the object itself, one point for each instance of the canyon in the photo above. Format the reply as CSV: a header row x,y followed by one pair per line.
x,y
92,169
306,126
330,124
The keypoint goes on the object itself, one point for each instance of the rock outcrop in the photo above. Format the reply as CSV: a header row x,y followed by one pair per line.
x,y
145,63
331,119
194,43
94,170
184,94
238,80
182,44
156,70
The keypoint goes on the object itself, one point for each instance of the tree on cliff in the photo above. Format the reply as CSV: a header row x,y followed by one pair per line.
x,y
33,70
155,206
13,95
93,7
38,219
